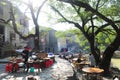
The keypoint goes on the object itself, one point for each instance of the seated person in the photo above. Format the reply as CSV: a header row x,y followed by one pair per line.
x,y
78,60
13,57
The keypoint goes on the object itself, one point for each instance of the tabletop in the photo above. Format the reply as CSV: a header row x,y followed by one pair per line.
x,y
46,58
92,70
74,59
84,63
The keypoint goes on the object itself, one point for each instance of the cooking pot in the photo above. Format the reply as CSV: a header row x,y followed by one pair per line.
x,y
34,56
20,64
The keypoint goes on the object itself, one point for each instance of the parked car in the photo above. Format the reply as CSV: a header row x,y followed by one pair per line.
x,y
76,52
68,55
61,54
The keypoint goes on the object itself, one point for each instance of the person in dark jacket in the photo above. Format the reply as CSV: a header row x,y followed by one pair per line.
x,y
25,54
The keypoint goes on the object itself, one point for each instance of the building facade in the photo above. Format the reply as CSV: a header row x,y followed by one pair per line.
x,y
7,34
52,43
48,42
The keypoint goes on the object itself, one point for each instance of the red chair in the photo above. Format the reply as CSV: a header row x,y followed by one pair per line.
x,y
36,66
47,63
8,67
11,67
51,62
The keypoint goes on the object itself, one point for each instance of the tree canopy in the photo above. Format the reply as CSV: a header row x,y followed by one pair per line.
x,y
96,20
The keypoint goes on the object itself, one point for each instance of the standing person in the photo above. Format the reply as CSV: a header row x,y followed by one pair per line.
x,y
92,60
25,54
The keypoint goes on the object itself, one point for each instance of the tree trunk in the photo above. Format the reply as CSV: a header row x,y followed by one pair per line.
x,y
105,63
36,42
94,54
37,37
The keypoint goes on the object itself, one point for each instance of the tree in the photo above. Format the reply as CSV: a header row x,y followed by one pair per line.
x,y
79,38
34,15
89,16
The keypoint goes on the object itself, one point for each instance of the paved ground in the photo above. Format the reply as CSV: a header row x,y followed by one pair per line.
x,y
60,70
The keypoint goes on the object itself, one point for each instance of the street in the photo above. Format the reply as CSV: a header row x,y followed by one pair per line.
x,y
60,70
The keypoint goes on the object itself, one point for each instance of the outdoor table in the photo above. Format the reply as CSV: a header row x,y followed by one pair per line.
x,y
82,64
74,60
92,70
31,77
30,64
47,58
52,57
82,59
14,66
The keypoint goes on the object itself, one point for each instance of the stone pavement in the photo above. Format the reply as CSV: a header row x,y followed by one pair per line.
x,y
60,70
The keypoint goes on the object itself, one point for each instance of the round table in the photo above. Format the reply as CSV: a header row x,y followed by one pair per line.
x,y
95,71
82,64
74,59
92,70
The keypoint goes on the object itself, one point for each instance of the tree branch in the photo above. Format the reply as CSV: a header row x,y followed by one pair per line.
x,y
6,22
89,8
76,24
97,4
77,10
14,24
38,12
105,25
